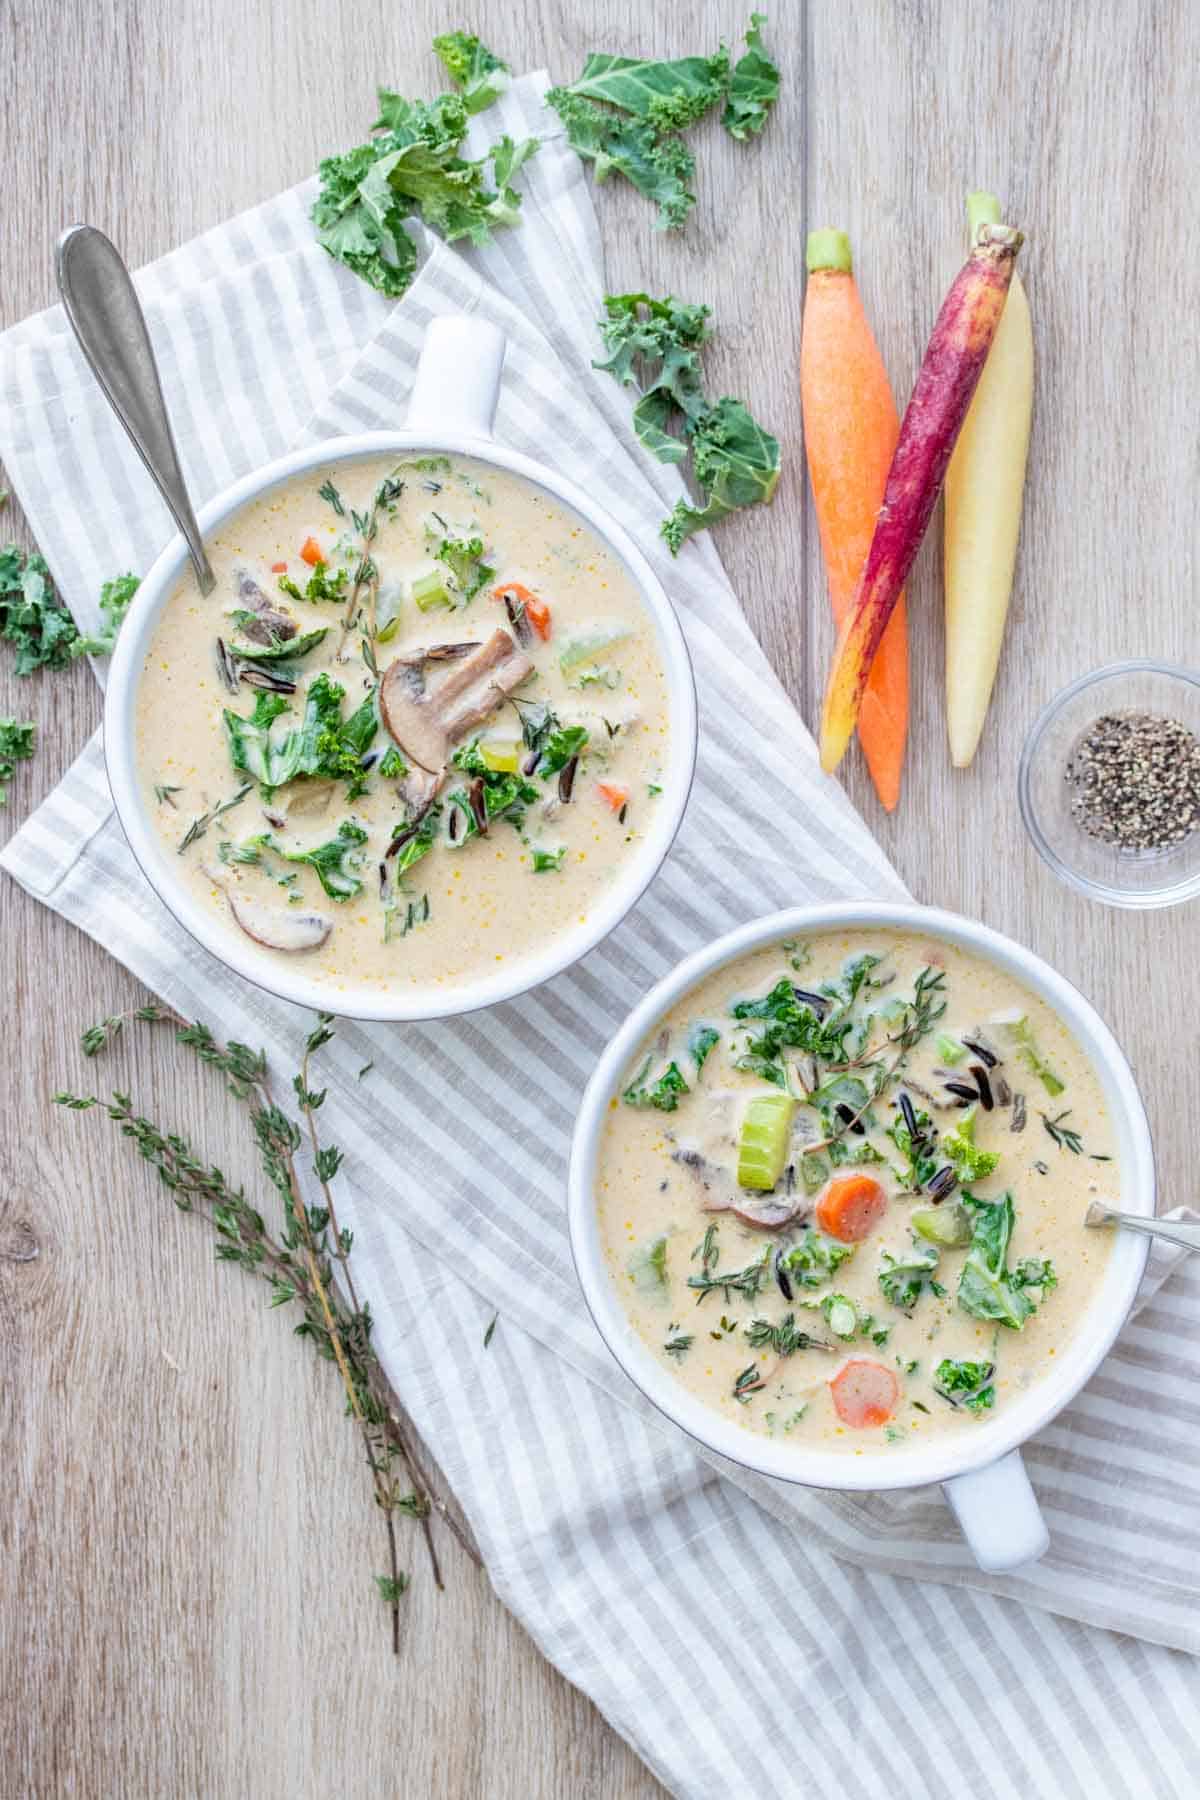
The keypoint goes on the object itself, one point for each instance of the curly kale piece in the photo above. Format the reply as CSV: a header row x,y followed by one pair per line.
x,y
412,164
987,1288
115,598
337,862
966,1384
753,86
32,617
477,72
903,1279
18,740
736,463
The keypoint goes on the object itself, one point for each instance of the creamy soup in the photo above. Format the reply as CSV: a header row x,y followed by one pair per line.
x,y
842,1191
416,731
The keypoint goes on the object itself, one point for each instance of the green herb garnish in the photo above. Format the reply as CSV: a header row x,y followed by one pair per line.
x,y
966,1384
987,1288
18,741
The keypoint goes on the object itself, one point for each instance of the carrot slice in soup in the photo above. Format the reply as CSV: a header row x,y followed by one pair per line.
x,y
851,1207
613,794
864,1393
310,550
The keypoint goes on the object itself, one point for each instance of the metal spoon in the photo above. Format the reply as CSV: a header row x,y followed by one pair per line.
x,y
1184,1232
106,316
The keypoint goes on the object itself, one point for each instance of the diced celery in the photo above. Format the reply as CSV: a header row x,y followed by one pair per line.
x,y
387,611
763,1145
949,1049
590,644
948,1226
430,590
648,1266
840,1315
501,754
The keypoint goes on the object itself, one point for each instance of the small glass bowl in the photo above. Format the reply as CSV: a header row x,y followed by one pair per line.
x,y
1139,878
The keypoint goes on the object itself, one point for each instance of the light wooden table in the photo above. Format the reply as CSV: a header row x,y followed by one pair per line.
x,y
185,1530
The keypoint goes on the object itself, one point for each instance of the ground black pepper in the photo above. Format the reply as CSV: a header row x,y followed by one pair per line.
x,y
1136,781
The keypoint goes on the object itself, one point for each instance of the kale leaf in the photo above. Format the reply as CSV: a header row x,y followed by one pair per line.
x,y
412,164
658,163
18,740
478,74
966,1384
115,596
322,746
969,1162
812,1260
32,617
753,86
463,558
337,863
987,1288
655,344
663,1095
903,1279
736,463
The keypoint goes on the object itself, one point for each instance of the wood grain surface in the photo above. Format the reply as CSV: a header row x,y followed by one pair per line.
x,y
186,1532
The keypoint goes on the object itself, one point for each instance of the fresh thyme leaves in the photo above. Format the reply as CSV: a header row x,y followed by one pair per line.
x,y
783,1337
1063,1135
365,1070
655,345
297,1262
411,164
330,495
164,795
751,1381
746,1281
487,1336
678,1344
18,740
200,825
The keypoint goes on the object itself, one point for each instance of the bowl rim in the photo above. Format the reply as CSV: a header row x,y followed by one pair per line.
x,y
895,1467
1147,900
429,1002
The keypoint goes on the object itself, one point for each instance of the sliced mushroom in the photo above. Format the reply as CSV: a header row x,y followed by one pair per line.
x,y
721,1193
274,927
417,790
269,626
416,659
426,725
279,927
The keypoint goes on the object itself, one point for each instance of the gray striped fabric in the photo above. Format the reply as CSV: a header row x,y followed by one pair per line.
x,y
737,1631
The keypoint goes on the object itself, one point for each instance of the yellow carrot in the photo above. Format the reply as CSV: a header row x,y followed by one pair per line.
x,y
985,486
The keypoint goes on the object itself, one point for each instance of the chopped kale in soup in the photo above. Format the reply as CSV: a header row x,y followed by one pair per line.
x,y
415,733
822,1190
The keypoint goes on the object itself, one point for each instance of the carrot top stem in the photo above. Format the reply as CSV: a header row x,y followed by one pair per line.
x,y
828,249
982,209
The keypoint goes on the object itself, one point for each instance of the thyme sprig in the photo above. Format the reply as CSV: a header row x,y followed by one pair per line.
x,y
297,1263
364,584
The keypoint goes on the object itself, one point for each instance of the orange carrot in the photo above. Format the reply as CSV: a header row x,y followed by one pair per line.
x,y
851,1207
279,568
536,611
864,1393
613,794
310,550
850,430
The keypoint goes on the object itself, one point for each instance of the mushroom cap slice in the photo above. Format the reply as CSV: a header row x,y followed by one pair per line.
x,y
274,927
279,927
425,723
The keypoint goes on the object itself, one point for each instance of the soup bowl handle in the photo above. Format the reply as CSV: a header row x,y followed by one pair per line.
x,y
457,384
998,1514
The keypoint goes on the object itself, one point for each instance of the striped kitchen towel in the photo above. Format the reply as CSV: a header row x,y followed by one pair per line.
x,y
740,1633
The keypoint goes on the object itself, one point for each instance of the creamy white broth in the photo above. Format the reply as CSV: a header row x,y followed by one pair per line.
x,y
470,905
658,1171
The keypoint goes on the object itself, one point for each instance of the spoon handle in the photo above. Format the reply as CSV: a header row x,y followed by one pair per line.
x,y
1184,1232
105,314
